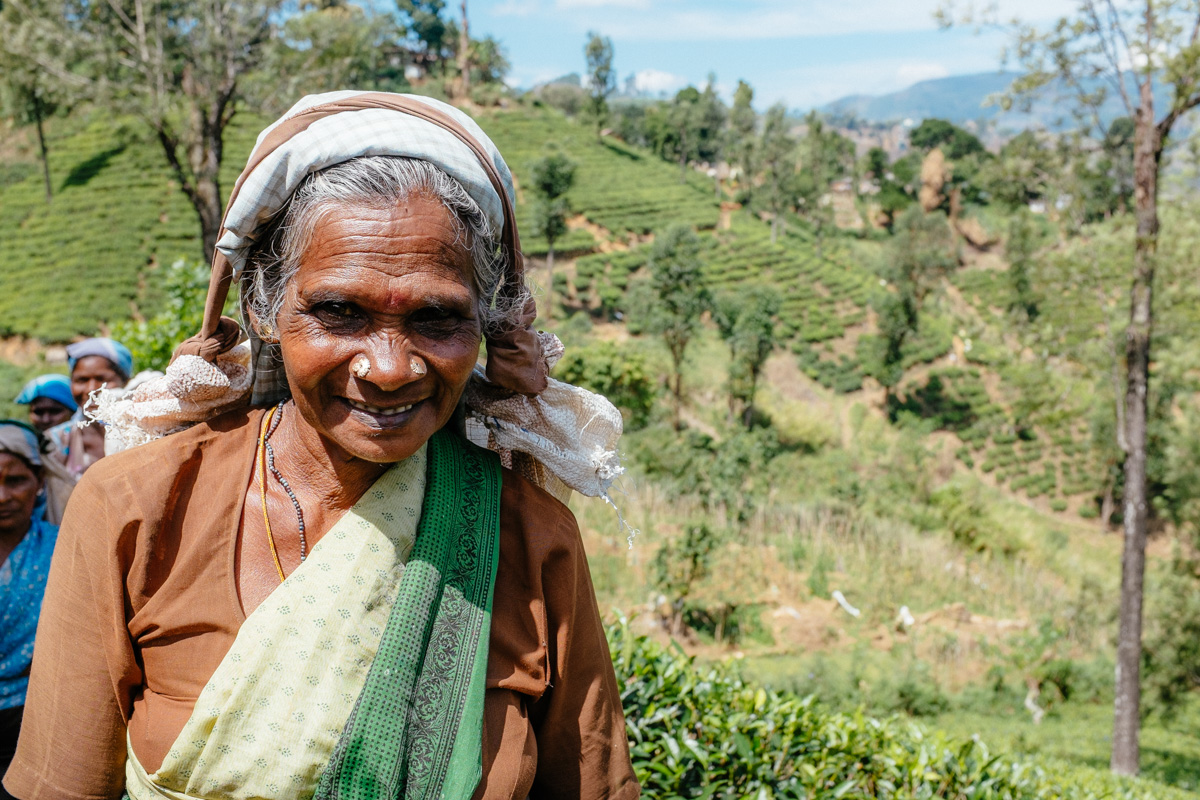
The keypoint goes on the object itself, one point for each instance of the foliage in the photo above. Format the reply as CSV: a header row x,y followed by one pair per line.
x,y
336,45
181,67
618,373
1020,247
679,564
740,145
920,257
702,731
680,297
776,154
955,142
152,341
552,176
433,35
601,78
746,321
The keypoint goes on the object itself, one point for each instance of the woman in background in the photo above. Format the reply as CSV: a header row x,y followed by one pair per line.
x,y
95,363
26,543
50,401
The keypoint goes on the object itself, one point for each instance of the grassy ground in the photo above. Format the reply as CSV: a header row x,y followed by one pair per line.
x,y
1080,734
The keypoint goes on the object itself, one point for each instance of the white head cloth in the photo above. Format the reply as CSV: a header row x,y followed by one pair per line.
x,y
350,134
564,438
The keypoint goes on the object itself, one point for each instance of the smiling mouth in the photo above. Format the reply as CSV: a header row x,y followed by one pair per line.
x,y
379,411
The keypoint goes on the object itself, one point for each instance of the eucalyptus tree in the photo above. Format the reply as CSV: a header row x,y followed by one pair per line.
x,y
181,66
601,78
552,177
1138,52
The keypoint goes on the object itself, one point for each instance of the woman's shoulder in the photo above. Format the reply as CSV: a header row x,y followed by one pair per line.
x,y
534,521
153,469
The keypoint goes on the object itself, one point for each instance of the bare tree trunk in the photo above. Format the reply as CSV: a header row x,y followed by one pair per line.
x,y
550,280
37,117
1127,701
677,389
1106,505
199,179
464,54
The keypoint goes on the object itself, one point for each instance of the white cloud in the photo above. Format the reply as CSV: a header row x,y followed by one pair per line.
x,y
711,20
515,8
654,81
602,3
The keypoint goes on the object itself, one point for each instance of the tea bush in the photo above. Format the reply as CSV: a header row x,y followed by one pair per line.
x,y
703,732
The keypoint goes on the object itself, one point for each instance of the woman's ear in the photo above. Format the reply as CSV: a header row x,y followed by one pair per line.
x,y
265,331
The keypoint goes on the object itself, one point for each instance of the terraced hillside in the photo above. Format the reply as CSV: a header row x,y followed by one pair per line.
x,y
621,189
91,253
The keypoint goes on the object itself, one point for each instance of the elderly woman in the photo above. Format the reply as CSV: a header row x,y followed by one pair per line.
x,y
49,399
334,593
95,363
26,543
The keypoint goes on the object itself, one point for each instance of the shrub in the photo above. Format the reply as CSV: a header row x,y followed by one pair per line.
x,y
703,732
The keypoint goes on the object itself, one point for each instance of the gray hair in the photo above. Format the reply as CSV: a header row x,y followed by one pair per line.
x,y
376,182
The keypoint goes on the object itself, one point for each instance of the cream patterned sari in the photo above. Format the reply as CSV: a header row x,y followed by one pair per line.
x,y
267,722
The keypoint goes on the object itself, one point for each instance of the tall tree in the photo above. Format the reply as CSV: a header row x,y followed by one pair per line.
x,y
777,158
684,116
179,65
430,31
740,145
680,298
27,96
464,55
26,100
746,321
552,176
1020,247
919,257
826,156
601,78
335,44
1126,48
711,129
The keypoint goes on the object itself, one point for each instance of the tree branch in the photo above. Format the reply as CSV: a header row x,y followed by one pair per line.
x,y
1113,56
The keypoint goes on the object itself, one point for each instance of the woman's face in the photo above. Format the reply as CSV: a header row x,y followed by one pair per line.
x,y
45,413
19,487
395,286
90,373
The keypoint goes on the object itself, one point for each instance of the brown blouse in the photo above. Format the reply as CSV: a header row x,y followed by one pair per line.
x,y
142,606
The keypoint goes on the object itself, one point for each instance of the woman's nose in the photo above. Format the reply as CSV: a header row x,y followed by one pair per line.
x,y
391,365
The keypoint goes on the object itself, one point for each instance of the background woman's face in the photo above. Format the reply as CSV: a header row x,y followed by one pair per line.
x,y
45,413
90,373
19,487
391,285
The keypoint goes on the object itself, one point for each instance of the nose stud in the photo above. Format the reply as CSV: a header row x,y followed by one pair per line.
x,y
417,365
361,366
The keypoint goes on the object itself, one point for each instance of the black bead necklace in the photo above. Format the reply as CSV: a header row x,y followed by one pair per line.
x,y
282,480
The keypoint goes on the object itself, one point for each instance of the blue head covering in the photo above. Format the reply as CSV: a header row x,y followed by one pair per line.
x,y
111,349
25,580
55,387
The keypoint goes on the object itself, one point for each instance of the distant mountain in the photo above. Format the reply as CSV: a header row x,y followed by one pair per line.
x,y
960,99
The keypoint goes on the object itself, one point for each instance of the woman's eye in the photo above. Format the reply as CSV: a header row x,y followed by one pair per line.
x,y
438,320
336,312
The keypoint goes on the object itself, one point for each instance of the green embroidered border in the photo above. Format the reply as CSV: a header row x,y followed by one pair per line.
x,y
416,729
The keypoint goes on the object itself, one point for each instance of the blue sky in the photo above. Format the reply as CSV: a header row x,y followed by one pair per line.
x,y
801,52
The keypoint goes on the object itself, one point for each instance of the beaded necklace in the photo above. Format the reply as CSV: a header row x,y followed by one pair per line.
x,y
265,458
